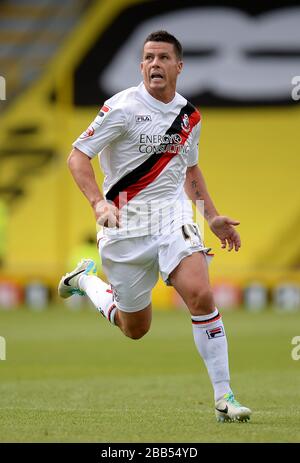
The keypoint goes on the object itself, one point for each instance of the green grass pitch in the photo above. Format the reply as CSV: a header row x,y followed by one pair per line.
x,y
69,376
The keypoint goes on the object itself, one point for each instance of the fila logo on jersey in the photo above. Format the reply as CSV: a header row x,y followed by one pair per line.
x,y
142,118
185,125
215,332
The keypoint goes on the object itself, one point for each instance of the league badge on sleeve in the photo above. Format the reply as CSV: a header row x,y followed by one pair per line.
x,y
102,114
104,110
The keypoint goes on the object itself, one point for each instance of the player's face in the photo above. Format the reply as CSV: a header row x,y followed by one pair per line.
x,y
160,68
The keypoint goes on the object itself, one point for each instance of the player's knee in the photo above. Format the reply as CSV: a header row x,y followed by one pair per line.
x,y
136,332
201,301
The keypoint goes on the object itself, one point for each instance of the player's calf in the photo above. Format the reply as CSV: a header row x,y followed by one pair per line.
x,y
200,301
134,324
136,333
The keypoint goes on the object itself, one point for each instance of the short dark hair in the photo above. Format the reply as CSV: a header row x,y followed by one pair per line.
x,y
164,36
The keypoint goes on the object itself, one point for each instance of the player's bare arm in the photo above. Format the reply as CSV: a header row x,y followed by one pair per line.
x,y
83,173
221,226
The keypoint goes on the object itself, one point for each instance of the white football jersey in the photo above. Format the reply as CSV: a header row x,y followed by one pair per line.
x,y
144,147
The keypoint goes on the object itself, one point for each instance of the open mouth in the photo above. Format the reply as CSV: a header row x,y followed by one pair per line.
x,y
156,76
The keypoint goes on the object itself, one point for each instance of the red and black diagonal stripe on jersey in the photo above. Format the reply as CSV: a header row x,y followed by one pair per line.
x,y
139,178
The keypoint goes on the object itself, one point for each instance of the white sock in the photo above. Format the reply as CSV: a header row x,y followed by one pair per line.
x,y
100,294
211,342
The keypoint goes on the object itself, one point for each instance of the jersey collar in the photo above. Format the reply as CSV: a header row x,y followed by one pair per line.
x,y
165,107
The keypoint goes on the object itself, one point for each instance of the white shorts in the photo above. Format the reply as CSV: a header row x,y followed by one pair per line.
x,y
132,265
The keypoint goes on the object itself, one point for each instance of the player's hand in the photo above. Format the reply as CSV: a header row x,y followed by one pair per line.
x,y
107,214
223,228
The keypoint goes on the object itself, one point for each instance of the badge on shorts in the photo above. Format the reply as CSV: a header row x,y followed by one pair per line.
x,y
116,296
191,232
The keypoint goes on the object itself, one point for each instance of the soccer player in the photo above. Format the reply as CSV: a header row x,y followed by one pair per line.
x,y
147,138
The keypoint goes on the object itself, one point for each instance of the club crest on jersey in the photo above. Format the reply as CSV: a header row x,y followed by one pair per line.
x,y
142,118
215,332
89,132
185,124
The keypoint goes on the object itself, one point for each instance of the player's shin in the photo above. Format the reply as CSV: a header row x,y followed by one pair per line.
x,y
211,342
100,294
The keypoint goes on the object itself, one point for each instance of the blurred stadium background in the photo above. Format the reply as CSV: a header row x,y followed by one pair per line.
x,y
60,60
64,368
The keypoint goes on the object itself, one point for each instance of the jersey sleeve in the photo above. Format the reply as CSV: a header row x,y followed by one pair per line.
x,y
194,150
109,124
